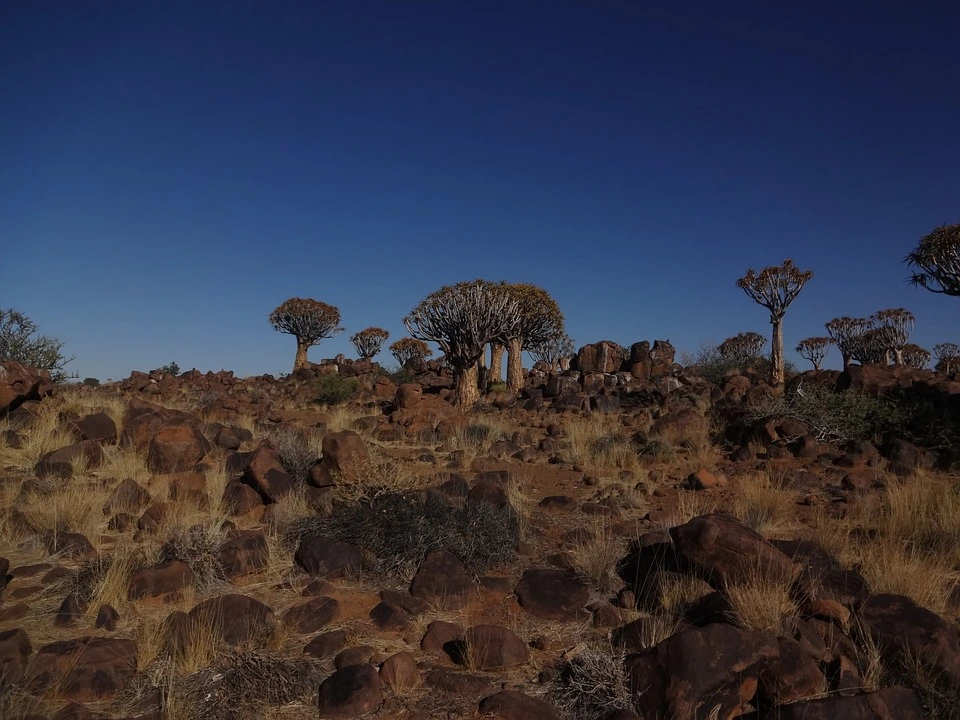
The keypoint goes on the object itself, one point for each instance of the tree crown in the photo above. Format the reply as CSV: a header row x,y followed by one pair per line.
x,y
306,319
775,287
936,261
369,341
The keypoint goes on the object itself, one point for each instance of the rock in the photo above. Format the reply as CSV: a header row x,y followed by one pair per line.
x,y
60,463
726,551
153,518
602,357
344,455
143,420
96,426
240,499
15,650
73,545
20,383
387,616
176,447
696,670
231,438
553,594
457,683
265,474
793,677
326,644
188,487
489,646
893,703
514,705
237,619
703,479
898,625
243,553
312,615
442,579
442,637
404,600
356,655
320,556
165,579
127,497
350,692
70,611
408,395
107,618
400,672
84,669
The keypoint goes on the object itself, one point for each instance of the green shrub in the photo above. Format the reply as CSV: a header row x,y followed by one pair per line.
x,y
400,529
170,368
498,387
91,382
334,389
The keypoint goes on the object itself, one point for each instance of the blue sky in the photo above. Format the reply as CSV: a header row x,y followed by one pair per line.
x,y
172,171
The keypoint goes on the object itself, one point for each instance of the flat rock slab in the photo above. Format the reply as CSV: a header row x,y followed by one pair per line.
x,y
553,594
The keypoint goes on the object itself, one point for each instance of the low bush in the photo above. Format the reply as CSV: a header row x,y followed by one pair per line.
x,y
593,685
334,389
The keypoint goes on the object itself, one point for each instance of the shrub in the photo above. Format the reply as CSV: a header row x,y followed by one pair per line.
x,y
334,389
19,342
91,382
400,529
593,685
170,368
710,364
297,451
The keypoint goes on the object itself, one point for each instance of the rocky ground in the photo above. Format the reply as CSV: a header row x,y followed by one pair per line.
x,y
621,540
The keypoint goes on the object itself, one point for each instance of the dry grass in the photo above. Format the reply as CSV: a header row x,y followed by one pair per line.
x,y
595,557
679,592
384,474
73,505
44,435
599,440
690,504
763,506
478,437
106,580
122,462
762,603
903,570
342,417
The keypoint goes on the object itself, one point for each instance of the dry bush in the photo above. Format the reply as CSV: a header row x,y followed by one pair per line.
x,y
762,602
595,558
298,449
763,506
593,685
197,546
382,475
105,580
124,461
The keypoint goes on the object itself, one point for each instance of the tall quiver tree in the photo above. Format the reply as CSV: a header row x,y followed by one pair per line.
x,y
462,319
894,327
368,342
538,319
847,333
775,288
814,349
947,355
936,261
309,321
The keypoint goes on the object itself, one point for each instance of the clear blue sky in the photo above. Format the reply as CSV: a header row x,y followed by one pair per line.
x,y
171,171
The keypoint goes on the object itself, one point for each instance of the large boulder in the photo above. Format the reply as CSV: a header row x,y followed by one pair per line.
x,y
265,474
553,594
602,357
345,456
321,556
236,619
177,446
61,463
20,383
442,578
350,692
84,669
514,705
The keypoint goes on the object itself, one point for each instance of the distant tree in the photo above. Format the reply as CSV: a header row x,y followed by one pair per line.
x,y
170,368
814,349
775,288
743,348
91,382
407,349
915,356
538,318
872,347
309,321
369,342
947,355
893,327
20,343
847,334
462,319
552,349
936,261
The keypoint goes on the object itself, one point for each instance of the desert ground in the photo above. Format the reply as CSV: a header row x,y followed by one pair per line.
x,y
600,545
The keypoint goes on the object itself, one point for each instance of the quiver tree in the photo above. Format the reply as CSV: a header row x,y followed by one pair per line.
x,y
538,319
368,342
915,356
407,349
893,327
495,373
743,348
552,350
775,288
947,355
936,261
309,321
814,349
847,334
872,347
462,319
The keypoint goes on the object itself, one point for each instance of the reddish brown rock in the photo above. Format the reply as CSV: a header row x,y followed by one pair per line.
x,y
323,557
127,497
265,474
96,426
241,499
553,594
408,395
400,672
243,553
893,703
237,619
514,705
351,692
15,650
326,644
313,615
344,455
61,463
442,579
165,579
84,669
441,637
489,646
726,551
176,447
20,383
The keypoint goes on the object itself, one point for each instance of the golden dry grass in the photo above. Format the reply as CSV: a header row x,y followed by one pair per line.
x,y
599,440
760,602
763,506
689,504
679,592
594,558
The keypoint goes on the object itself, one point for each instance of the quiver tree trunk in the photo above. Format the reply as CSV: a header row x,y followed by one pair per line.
x,y
776,354
496,362
515,364
301,359
466,388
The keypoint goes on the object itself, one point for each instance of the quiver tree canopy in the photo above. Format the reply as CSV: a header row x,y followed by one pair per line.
x,y
893,328
407,349
368,342
947,355
915,356
814,349
847,333
538,319
936,261
552,349
462,319
742,348
309,321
